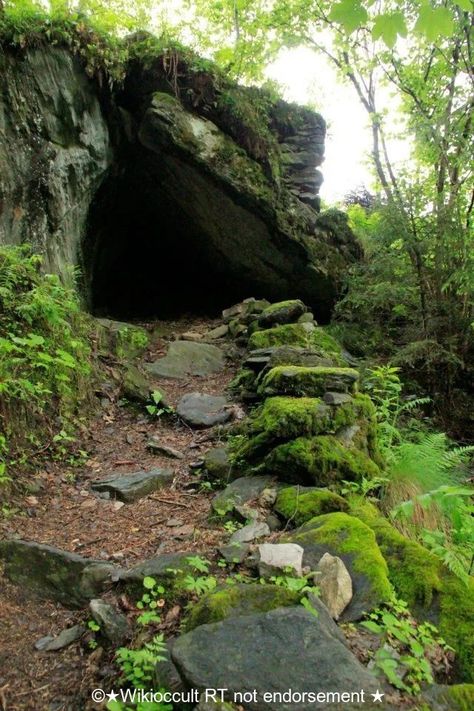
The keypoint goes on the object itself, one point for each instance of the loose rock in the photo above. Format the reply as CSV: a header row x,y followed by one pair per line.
x,y
113,625
63,639
200,410
335,584
130,487
278,558
249,533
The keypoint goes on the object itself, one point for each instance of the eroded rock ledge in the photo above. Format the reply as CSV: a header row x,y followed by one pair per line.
x,y
175,190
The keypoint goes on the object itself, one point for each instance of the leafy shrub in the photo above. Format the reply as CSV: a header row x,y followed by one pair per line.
x,y
45,366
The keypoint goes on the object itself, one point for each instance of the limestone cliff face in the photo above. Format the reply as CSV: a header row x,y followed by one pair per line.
x,y
176,189
54,152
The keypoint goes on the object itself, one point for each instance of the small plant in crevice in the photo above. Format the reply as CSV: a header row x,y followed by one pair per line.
x,y
157,406
94,628
151,601
198,584
410,654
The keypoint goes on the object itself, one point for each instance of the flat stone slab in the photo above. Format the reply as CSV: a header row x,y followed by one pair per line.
x,y
130,487
186,358
55,574
287,648
201,410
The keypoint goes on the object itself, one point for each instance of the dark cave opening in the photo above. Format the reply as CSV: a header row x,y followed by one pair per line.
x,y
148,255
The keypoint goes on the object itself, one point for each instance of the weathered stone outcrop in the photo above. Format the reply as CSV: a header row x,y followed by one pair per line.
x,y
177,189
54,152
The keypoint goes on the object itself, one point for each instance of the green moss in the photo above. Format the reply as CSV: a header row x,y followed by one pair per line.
x,y
280,305
347,535
238,600
460,697
456,621
428,587
300,504
296,334
291,334
320,460
413,571
308,381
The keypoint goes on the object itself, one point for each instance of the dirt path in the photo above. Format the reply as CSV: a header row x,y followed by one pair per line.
x,y
66,513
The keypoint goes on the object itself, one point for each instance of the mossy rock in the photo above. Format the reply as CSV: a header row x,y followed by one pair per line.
x,y
136,387
299,504
282,312
239,600
348,538
429,588
302,335
319,461
123,340
280,419
413,571
306,381
459,697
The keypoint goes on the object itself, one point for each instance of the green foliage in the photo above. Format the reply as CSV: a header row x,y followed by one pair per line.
x,y
45,366
407,647
198,584
150,602
157,408
137,665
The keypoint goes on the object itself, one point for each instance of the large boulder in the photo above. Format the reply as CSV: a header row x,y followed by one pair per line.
x,y
54,574
277,651
351,540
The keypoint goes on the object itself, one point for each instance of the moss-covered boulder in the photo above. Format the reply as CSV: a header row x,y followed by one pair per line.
x,y
281,312
299,504
310,382
319,461
238,600
429,588
302,335
350,539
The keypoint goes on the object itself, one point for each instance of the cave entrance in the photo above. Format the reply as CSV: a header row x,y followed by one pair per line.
x,y
149,252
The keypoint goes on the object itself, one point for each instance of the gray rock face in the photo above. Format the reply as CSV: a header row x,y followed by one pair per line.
x,y
274,651
113,625
130,487
335,584
54,574
201,410
186,358
279,558
55,152
240,492
136,387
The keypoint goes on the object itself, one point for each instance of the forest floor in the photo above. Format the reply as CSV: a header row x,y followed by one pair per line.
x,y
65,513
